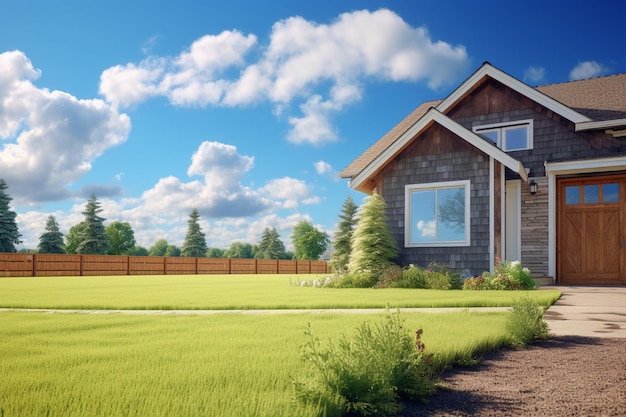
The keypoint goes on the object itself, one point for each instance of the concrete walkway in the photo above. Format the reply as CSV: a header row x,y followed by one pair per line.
x,y
591,311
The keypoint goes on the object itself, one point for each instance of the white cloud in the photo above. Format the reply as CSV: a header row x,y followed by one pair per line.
x,y
51,136
325,169
427,229
320,67
535,75
290,191
587,69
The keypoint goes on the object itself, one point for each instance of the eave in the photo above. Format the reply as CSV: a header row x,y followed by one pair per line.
x,y
360,181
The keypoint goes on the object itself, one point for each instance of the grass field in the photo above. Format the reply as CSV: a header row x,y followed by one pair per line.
x,y
188,365
228,292
202,365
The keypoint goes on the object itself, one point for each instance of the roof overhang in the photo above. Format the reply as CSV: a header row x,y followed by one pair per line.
x,y
615,127
489,71
435,116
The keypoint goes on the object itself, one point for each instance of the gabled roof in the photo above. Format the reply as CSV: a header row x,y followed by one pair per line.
x,y
435,116
596,103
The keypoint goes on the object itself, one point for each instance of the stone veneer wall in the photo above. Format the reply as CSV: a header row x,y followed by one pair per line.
x,y
534,225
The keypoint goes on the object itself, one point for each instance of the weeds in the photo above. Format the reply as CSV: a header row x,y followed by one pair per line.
x,y
367,374
526,322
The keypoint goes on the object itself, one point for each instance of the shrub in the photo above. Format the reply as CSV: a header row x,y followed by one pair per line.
x,y
368,374
506,276
354,280
526,322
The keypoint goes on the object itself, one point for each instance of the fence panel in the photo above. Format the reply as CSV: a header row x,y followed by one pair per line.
x,y
16,265
267,266
319,267
288,267
180,266
213,266
242,266
303,267
61,265
146,265
105,265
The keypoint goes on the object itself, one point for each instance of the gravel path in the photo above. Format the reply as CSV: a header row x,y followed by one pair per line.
x,y
562,376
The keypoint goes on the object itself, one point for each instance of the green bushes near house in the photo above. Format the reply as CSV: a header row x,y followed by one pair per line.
x,y
506,276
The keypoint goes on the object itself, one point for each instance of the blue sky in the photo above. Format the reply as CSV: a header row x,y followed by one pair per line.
x,y
246,110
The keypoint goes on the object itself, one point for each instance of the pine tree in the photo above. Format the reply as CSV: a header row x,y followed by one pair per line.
x,y
340,258
9,233
94,240
51,241
195,242
373,247
270,246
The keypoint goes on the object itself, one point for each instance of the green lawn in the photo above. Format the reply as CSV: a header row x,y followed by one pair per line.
x,y
196,364
227,292
189,365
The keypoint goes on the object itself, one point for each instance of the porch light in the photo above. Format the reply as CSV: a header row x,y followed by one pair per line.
x,y
533,187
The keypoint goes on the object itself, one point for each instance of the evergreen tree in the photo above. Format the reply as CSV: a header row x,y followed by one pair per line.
x,y
340,258
94,240
309,242
373,246
51,241
74,237
121,238
9,233
270,246
195,243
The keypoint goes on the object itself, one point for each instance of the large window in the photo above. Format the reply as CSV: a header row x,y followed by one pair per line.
x,y
437,214
510,136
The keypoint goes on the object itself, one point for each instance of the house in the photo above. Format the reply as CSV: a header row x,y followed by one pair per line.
x,y
500,170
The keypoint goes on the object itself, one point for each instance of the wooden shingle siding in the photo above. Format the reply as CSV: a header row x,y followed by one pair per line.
x,y
439,156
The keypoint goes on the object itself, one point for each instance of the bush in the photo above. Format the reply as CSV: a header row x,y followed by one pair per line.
x,y
368,374
353,280
506,276
526,322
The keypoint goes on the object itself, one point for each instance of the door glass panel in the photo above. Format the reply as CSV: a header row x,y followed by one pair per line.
x,y
591,193
610,193
572,194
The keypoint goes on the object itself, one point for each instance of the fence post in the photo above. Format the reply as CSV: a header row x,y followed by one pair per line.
x,y
34,265
230,268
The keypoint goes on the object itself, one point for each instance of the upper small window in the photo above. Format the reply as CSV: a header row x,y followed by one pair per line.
x,y
513,136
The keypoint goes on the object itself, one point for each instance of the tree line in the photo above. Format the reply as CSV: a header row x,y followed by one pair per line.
x,y
118,238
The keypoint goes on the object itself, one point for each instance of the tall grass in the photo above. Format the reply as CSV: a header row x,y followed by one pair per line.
x,y
189,365
224,292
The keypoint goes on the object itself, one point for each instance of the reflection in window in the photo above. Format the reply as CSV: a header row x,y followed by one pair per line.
x,y
512,136
610,193
590,193
438,214
572,195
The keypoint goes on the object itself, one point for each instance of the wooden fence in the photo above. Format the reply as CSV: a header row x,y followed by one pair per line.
x,y
47,265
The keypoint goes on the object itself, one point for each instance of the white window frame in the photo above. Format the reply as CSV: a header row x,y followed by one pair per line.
x,y
409,188
501,129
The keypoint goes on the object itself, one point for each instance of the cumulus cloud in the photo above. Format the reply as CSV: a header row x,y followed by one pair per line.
x,y
321,68
587,69
535,75
325,169
51,137
427,228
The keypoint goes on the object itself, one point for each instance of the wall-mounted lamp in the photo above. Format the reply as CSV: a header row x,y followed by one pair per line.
x,y
533,187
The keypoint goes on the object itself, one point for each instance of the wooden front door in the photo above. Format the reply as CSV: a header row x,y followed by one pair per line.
x,y
591,226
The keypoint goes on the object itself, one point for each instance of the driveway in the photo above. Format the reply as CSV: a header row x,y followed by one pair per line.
x,y
591,311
